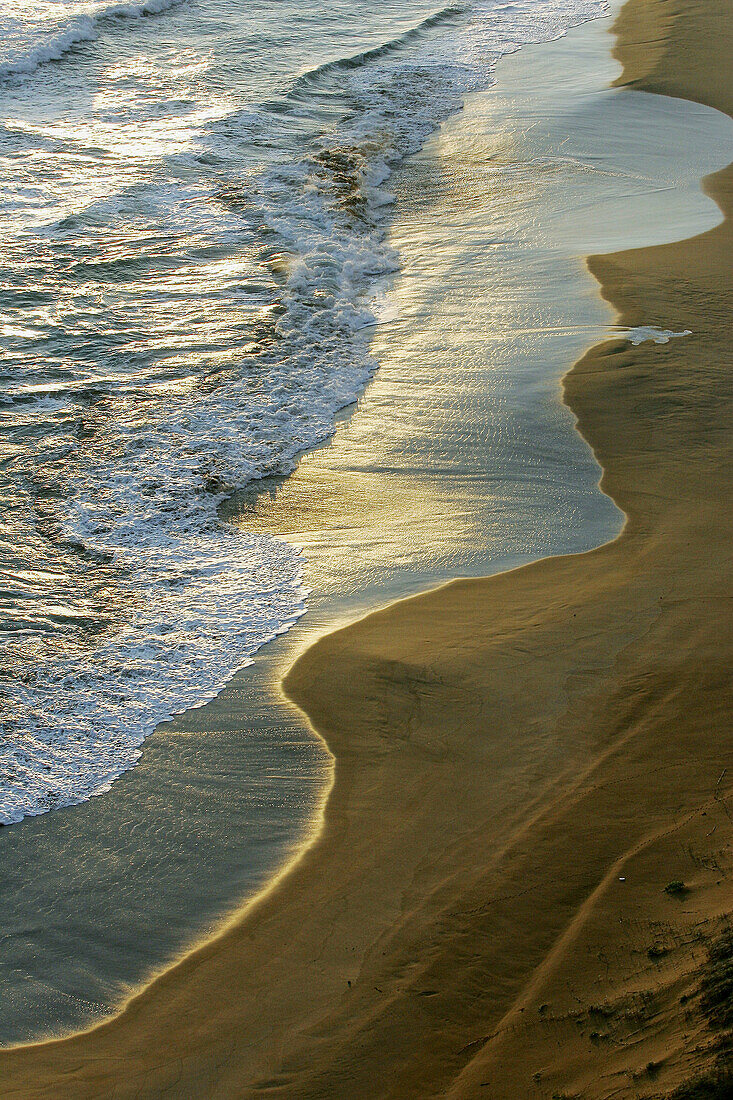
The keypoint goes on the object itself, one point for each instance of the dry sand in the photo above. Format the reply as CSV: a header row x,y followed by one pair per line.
x,y
523,764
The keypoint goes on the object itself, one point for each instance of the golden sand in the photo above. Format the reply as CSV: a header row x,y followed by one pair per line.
x,y
523,764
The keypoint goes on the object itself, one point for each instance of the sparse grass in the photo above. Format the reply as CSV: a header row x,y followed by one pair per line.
x,y
717,983
716,1002
713,1086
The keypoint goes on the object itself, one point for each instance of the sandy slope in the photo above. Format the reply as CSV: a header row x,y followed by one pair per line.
x,y
508,751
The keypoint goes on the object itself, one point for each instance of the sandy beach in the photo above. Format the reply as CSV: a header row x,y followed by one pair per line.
x,y
523,877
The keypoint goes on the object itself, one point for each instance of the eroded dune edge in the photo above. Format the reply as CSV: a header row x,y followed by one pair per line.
x,y
523,881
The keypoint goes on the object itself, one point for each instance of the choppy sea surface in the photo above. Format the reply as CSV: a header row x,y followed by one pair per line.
x,y
195,198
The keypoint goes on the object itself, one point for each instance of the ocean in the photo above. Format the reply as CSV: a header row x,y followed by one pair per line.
x,y
196,203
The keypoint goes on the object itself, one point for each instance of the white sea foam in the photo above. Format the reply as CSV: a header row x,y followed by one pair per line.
x,y
78,729
642,333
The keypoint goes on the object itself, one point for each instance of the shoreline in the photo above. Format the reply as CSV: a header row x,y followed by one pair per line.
x,y
440,471
407,672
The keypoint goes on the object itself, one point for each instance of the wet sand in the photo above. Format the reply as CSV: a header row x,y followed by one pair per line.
x,y
523,763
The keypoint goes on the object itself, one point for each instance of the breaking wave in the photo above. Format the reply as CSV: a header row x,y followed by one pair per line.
x,y
50,39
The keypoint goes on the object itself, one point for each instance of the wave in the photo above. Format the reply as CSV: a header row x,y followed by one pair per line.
x,y
393,45
85,28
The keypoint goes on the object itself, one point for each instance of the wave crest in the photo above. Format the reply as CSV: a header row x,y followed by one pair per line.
x,y
393,45
85,28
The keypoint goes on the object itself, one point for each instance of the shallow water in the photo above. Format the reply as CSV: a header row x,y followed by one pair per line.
x,y
459,459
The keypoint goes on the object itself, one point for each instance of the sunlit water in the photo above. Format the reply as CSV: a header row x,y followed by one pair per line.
x,y
194,199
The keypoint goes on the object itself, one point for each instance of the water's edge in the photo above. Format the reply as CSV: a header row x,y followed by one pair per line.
x,y
252,698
